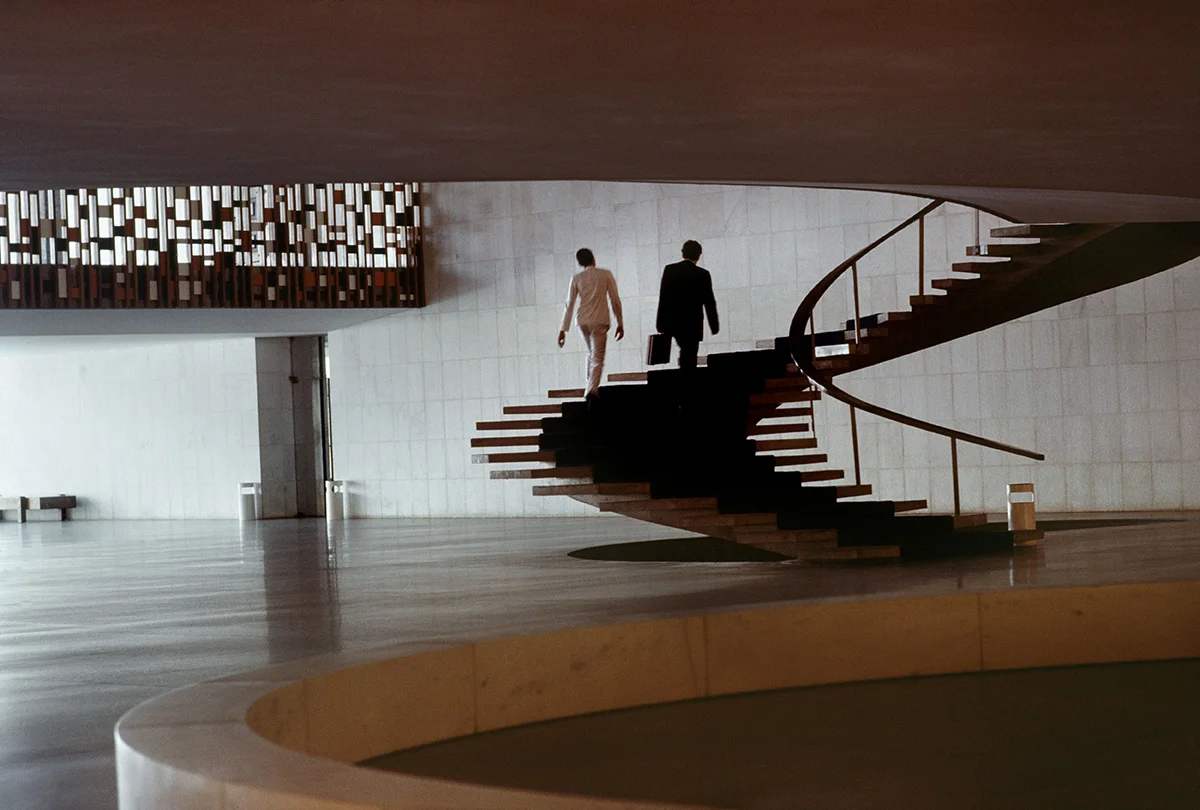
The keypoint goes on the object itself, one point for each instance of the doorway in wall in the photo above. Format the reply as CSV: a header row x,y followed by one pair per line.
x,y
313,456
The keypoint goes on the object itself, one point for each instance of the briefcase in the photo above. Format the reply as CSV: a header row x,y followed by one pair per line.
x,y
659,350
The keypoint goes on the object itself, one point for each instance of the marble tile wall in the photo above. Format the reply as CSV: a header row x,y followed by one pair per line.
x,y
1108,387
276,426
155,431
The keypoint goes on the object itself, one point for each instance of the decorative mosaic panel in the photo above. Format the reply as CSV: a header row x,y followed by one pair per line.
x,y
286,246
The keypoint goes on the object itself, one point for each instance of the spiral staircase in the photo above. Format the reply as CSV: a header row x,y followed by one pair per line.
x,y
730,449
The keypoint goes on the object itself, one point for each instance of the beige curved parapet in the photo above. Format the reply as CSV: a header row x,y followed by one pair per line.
x,y
285,737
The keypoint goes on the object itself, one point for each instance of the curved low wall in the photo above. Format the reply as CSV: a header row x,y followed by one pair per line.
x,y
285,737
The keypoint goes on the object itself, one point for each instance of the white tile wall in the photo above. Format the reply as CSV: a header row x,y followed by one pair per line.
x,y
276,433
161,431
1107,387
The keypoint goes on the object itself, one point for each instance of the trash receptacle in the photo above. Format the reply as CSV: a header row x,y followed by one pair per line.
x,y
249,498
1022,516
334,505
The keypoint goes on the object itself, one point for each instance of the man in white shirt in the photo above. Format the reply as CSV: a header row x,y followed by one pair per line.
x,y
594,287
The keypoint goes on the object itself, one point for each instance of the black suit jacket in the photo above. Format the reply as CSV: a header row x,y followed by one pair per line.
x,y
685,295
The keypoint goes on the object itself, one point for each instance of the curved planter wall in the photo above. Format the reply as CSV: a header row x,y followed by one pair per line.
x,y
286,737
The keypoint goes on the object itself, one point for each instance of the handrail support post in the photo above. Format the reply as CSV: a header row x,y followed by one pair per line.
x,y
857,316
854,441
921,256
954,466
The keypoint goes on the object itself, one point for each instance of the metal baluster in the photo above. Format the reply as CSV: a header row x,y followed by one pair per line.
x,y
854,440
954,465
857,328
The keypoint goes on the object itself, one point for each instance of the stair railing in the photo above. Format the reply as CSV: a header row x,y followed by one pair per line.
x,y
803,350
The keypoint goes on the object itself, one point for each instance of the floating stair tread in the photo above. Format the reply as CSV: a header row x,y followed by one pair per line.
x,y
770,430
970,284
510,424
765,445
564,473
760,412
984,267
504,458
926,300
821,475
505,441
853,490
779,397
565,393
1001,249
660,504
592,489
514,410
741,520
799,461
629,376
877,318
1039,230
910,506
795,381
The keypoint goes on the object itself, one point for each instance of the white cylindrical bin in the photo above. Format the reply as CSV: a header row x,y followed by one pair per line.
x,y
1022,516
334,493
249,496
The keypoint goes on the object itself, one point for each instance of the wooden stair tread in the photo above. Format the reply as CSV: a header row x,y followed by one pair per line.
x,y
1039,230
770,430
565,473
592,489
910,506
629,376
759,412
779,397
505,441
821,475
565,393
504,458
983,267
661,504
1002,249
969,284
514,410
853,490
510,424
799,461
765,445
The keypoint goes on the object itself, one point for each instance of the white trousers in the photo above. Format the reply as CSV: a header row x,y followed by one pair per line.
x,y
596,338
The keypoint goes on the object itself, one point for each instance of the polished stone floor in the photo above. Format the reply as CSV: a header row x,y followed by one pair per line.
x,y
1100,737
98,616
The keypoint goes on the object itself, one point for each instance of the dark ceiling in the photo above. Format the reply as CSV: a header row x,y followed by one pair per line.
x,y
993,101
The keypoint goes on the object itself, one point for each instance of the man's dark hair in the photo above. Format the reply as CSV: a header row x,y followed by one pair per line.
x,y
585,257
692,250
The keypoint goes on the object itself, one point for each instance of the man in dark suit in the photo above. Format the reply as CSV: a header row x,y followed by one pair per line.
x,y
684,297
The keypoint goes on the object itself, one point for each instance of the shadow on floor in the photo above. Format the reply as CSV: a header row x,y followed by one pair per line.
x,y
682,549
714,550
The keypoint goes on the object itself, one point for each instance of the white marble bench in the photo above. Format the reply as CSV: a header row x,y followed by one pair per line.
x,y
13,503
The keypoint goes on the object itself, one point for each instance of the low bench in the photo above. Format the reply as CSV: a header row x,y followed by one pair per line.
x,y
21,505
60,502
13,503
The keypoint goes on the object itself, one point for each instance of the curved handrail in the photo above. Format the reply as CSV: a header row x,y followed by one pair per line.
x,y
805,360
